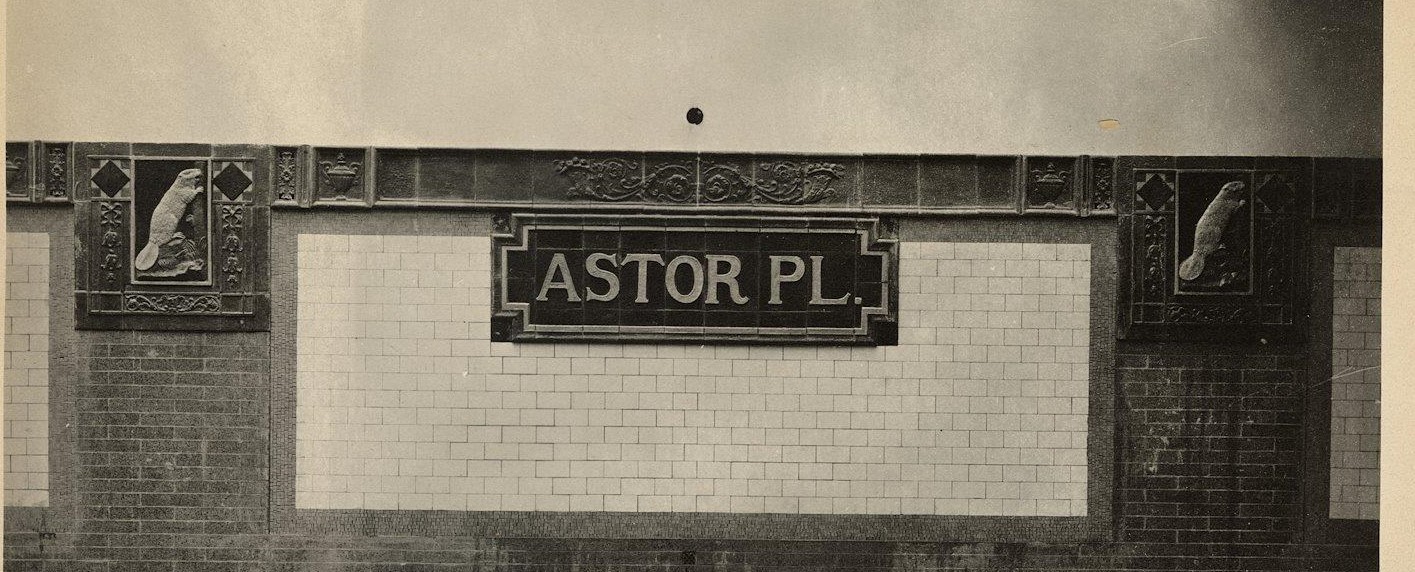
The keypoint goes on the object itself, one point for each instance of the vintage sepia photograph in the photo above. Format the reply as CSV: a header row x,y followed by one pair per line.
x,y
985,285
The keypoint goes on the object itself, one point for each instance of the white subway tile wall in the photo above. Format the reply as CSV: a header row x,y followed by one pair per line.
x,y
26,369
404,403
1356,383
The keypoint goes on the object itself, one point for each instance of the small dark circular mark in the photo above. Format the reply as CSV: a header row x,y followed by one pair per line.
x,y
695,115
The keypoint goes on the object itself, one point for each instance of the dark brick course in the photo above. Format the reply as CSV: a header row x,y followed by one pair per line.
x,y
1210,454
172,440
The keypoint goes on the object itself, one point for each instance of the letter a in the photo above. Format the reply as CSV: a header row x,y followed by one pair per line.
x,y
566,283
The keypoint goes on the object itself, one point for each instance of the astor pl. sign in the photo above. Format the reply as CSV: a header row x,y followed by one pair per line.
x,y
723,279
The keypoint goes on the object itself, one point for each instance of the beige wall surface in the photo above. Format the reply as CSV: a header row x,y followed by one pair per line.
x,y
1256,77
26,374
1356,384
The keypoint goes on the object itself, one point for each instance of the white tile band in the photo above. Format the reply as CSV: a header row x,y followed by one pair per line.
x,y
26,369
1356,383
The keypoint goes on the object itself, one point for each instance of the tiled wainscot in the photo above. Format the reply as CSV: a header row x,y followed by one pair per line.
x,y
404,403
1356,383
27,369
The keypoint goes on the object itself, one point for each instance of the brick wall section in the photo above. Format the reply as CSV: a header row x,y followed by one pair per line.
x,y
26,369
1210,445
1356,383
619,555
172,446
403,403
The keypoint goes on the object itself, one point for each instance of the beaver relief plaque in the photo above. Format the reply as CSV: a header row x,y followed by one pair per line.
x,y
172,242
171,211
1214,246
1212,253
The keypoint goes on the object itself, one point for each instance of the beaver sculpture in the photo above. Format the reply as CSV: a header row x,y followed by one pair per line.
x,y
162,229
1208,233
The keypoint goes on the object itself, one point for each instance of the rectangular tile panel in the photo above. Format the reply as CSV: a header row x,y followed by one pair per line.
x,y
27,369
1356,383
404,403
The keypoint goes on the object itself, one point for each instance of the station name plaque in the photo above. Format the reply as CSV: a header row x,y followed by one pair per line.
x,y
716,279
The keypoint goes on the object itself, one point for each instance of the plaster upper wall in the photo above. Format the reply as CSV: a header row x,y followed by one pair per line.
x,y
1183,77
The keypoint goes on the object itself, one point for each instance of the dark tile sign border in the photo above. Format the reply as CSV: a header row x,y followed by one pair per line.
x,y
673,279
1096,526
211,204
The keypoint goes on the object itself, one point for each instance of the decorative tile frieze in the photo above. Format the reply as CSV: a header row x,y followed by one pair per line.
x,y
19,166
56,172
38,171
397,179
340,175
686,180
797,182
1347,189
172,303
1051,183
1101,194
287,175
367,177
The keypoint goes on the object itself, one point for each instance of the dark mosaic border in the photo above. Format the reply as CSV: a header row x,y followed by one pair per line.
x,y
1316,488
56,220
286,519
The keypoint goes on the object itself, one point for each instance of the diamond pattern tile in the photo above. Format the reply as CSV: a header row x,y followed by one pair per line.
x,y
231,181
1156,192
110,178
1275,193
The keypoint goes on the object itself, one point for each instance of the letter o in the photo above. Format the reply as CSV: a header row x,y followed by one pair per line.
x,y
670,282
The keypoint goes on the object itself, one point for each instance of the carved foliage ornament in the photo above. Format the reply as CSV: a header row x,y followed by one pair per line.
x,y
794,183
110,221
285,168
1211,314
1102,184
778,182
1156,242
172,303
232,219
501,223
57,175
